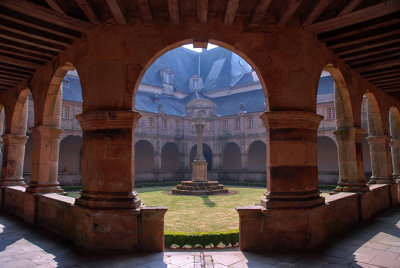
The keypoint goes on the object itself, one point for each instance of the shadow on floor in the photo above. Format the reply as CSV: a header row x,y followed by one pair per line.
x,y
376,243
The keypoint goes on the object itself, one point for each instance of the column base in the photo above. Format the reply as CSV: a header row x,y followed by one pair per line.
x,y
292,200
44,189
381,180
12,181
108,200
350,186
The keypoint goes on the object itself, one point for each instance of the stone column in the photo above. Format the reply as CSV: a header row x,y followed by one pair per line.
x,y
245,160
199,129
46,146
351,166
292,169
217,161
1,153
157,160
199,172
108,160
380,160
395,147
13,160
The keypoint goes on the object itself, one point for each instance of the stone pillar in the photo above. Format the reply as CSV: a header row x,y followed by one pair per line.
x,y
108,160
292,169
199,165
245,160
380,160
395,148
217,161
351,166
13,160
46,146
157,160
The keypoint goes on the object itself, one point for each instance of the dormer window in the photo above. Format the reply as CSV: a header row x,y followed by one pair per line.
x,y
65,83
196,83
167,76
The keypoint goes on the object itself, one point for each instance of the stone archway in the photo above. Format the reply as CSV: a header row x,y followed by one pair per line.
x,y
378,142
69,160
14,141
257,156
144,156
394,127
327,161
170,157
231,157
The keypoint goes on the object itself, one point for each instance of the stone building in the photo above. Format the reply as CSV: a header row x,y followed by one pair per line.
x,y
179,84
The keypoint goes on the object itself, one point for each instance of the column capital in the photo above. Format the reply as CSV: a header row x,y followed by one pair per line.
x,y
291,119
108,119
346,133
375,140
46,132
14,139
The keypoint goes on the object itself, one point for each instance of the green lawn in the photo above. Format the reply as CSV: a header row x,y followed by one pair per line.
x,y
199,213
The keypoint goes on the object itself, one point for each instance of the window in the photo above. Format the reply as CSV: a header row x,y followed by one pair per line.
x,y
177,124
226,124
65,83
194,127
164,123
196,83
238,123
251,122
150,122
331,113
65,111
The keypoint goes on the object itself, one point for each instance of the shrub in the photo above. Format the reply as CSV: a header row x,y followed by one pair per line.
x,y
201,238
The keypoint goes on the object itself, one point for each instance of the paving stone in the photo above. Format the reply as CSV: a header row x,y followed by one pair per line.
x,y
378,249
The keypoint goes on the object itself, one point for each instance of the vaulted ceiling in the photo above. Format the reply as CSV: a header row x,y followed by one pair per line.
x,y
364,33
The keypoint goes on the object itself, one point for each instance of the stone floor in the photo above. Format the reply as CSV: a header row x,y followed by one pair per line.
x,y
374,244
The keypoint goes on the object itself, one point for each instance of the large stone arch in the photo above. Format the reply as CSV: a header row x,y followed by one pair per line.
x,y
257,156
394,131
327,161
70,158
207,155
19,117
343,104
231,157
394,122
374,117
170,157
144,156
53,99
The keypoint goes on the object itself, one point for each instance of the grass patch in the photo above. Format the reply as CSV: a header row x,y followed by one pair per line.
x,y
213,213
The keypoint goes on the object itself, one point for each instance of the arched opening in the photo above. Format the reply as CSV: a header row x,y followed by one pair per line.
x,y
232,157
327,161
212,97
63,101
144,156
69,161
257,156
170,159
2,119
377,142
394,128
207,155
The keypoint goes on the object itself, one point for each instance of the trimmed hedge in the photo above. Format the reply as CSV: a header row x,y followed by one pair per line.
x,y
201,238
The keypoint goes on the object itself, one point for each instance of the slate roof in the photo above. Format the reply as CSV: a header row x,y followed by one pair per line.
x,y
219,68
